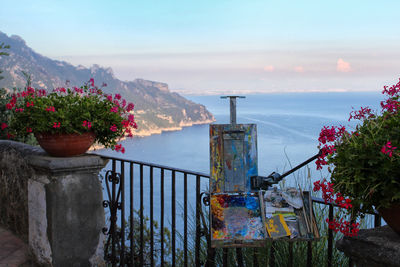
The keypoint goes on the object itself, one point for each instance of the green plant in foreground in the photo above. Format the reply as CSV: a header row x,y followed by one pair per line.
x,y
76,110
364,164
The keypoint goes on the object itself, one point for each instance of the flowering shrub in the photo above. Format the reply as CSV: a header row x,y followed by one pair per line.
x,y
364,164
76,110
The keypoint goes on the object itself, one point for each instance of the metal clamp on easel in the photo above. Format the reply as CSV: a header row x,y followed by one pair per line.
x,y
262,182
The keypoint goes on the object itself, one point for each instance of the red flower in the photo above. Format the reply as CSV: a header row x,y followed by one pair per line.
x,y
119,148
113,128
388,149
91,81
9,105
114,109
130,107
78,90
393,90
390,105
87,124
51,109
28,130
56,125
4,125
361,114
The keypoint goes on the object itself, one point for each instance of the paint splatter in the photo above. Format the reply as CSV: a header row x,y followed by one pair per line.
x,y
236,217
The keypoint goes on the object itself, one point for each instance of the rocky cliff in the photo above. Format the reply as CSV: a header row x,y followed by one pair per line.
x,y
156,108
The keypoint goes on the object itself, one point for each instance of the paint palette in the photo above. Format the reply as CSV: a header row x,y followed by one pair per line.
x,y
236,220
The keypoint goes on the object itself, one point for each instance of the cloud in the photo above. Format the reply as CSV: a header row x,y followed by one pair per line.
x,y
269,68
299,69
343,66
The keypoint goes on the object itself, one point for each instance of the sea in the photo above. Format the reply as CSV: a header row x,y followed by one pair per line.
x,y
288,126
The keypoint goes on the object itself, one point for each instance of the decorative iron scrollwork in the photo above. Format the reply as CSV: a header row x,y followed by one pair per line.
x,y
205,198
106,203
203,232
113,204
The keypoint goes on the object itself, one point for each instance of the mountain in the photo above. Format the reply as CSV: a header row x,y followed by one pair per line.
x,y
156,108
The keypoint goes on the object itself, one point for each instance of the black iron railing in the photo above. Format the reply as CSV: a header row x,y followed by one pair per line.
x,y
124,184
137,237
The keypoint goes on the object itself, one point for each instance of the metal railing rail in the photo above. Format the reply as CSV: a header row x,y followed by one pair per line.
x,y
116,251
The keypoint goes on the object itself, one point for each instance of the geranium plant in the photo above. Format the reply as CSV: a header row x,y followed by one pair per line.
x,y
364,164
71,110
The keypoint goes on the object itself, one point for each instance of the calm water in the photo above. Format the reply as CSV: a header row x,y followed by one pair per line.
x,y
288,126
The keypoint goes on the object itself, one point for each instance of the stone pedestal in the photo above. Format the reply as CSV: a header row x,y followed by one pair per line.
x,y
372,247
66,215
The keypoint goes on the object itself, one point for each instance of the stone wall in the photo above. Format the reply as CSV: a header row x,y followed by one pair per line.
x,y
14,175
58,204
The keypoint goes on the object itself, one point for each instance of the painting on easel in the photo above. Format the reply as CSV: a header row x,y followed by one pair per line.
x,y
233,157
236,220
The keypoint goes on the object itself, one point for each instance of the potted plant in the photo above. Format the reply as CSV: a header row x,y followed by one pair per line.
x,y
70,116
364,164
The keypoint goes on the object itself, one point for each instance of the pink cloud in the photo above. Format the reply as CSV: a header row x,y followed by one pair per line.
x,y
269,68
299,69
343,66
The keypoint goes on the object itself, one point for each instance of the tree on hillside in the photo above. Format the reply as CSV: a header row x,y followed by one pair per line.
x,y
2,53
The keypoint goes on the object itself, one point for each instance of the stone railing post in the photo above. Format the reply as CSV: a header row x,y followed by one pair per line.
x,y
374,247
65,209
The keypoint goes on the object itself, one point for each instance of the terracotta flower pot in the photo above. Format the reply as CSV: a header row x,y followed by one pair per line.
x,y
65,145
391,216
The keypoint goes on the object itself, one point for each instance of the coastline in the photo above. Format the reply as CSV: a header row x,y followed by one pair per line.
x,y
146,133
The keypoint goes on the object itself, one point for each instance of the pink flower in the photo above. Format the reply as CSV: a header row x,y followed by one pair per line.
x,y
4,125
41,92
117,96
119,148
87,124
330,196
113,128
50,109
91,81
29,104
388,149
327,134
109,98
361,114
56,124
390,105
125,123
130,107
28,129
78,90
114,109
393,90
61,90
19,110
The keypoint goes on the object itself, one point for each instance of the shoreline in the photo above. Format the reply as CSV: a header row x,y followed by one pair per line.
x,y
146,133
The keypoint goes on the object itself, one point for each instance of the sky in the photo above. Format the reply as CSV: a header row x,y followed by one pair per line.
x,y
220,46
